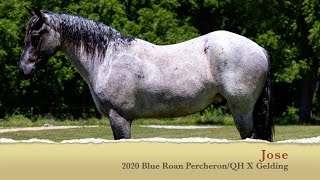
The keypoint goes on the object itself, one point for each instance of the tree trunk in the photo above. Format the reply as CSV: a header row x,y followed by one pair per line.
x,y
307,90
306,94
308,81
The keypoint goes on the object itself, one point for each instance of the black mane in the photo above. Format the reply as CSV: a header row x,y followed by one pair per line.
x,y
92,34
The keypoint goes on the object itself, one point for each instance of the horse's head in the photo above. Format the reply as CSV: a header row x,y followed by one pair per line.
x,y
42,41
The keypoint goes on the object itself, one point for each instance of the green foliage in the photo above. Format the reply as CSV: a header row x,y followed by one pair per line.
x,y
291,114
292,71
311,11
216,115
16,121
22,121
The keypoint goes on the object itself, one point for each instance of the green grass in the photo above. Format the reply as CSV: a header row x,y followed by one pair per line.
x,y
227,130
196,119
104,132
21,121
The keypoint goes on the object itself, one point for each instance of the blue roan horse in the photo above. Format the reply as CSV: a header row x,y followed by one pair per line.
x,y
130,78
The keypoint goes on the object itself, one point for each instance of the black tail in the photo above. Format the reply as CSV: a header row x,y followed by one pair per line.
x,y
262,115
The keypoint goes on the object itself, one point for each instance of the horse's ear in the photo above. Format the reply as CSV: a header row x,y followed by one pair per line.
x,y
40,14
37,12
31,11
34,11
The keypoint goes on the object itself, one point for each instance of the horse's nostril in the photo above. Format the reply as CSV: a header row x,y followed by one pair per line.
x,y
22,74
21,70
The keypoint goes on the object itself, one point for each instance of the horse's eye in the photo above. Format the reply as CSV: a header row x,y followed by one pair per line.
x,y
35,40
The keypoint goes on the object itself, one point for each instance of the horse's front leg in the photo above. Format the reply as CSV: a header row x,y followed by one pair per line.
x,y
121,127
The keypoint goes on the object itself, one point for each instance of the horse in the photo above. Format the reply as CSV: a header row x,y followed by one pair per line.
x,y
130,78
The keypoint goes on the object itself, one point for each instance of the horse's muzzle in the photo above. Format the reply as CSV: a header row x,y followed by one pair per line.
x,y
26,69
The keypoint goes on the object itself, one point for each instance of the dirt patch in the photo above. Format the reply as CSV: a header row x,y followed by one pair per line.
x,y
44,128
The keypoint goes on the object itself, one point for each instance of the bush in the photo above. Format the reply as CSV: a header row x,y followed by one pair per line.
x,y
217,115
16,121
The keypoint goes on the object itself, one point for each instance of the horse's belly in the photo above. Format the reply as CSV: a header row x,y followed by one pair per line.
x,y
171,104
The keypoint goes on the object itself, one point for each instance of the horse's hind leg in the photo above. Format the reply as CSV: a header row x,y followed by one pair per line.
x,y
242,115
121,127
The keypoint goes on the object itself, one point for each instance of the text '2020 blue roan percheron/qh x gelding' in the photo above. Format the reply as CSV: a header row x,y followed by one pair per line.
x,y
130,78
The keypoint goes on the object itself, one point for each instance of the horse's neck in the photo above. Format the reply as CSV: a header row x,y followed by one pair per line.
x,y
97,43
85,63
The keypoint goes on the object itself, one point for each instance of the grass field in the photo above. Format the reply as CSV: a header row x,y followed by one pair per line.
x,y
196,119
104,132
227,129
